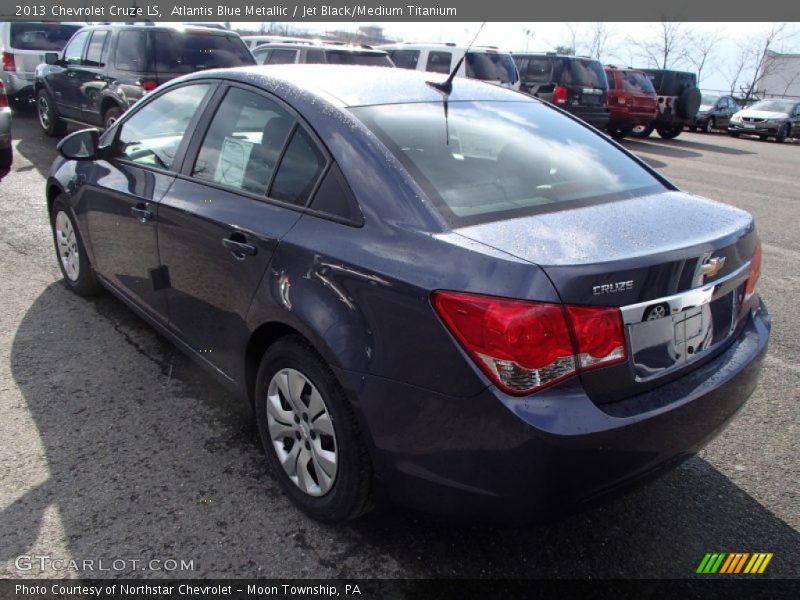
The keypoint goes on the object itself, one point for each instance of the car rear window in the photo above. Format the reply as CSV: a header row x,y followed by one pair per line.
x,y
189,51
365,58
40,36
633,81
584,72
491,66
494,160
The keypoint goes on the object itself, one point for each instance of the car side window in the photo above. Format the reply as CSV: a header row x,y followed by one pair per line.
x,y
244,142
151,137
131,55
260,56
299,170
539,70
315,57
439,62
73,53
404,59
281,57
95,55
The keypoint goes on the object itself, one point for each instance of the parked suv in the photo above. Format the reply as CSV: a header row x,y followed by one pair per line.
x,y
104,69
576,84
631,99
678,102
23,46
334,54
486,63
715,112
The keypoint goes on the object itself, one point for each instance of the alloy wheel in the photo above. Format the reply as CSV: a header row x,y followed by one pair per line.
x,y
43,111
67,246
301,431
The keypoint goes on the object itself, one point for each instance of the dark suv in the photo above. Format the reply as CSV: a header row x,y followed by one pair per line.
x,y
104,69
574,83
678,102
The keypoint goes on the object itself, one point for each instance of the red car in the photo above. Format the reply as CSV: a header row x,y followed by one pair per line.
x,y
632,100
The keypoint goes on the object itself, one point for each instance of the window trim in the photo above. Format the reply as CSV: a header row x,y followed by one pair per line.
x,y
85,47
180,154
104,49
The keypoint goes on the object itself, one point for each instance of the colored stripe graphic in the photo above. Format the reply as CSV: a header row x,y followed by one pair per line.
x,y
733,563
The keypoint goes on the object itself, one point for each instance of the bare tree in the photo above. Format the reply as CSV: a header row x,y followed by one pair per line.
x,y
757,52
736,69
666,47
598,41
700,48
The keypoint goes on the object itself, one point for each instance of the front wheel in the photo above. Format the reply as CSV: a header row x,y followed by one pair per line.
x,y
642,131
618,133
783,133
669,132
310,434
51,123
72,258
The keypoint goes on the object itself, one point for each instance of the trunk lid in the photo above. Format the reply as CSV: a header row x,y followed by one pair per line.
x,y
645,255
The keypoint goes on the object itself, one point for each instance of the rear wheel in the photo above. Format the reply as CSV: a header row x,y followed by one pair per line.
x,y
618,133
111,115
48,118
310,434
72,259
642,131
669,132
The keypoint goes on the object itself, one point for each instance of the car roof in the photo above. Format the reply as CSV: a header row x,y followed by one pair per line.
x,y
347,85
441,46
163,27
317,46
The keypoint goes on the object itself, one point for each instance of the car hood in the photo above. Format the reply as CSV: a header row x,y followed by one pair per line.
x,y
668,222
762,114
705,108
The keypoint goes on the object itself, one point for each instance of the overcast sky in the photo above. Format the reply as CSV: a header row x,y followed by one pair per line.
x,y
621,49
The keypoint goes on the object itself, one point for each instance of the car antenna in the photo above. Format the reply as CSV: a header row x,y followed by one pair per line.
x,y
446,87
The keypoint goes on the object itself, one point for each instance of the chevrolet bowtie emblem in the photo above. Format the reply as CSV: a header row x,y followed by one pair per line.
x,y
712,266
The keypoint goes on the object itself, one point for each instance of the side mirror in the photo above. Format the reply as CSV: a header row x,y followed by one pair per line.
x,y
51,58
81,145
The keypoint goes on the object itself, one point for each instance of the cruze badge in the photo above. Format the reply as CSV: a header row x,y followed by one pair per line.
x,y
712,266
613,288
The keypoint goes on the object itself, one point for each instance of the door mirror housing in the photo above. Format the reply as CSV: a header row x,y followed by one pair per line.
x,y
81,145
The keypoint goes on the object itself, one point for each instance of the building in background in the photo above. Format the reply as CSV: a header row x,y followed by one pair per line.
x,y
780,75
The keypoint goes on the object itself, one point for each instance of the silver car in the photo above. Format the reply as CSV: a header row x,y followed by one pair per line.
x,y
22,48
773,117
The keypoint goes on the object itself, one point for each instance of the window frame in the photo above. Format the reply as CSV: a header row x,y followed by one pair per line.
x,y
180,154
203,124
104,50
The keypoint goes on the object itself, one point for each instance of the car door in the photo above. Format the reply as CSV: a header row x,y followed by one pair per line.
x,y
249,168
64,79
90,77
121,202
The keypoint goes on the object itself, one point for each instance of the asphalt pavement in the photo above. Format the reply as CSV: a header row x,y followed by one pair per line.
x,y
114,446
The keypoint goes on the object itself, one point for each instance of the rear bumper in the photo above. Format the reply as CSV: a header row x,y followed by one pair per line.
x,y
627,119
595,116
18,83
499,457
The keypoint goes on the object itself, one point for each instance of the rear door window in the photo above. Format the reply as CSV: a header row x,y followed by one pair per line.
x,y
365,58
300,168
40,36
131,54
314,56
405,59
244,142
152,136
438,62
190,51
584,72
281,56
96,53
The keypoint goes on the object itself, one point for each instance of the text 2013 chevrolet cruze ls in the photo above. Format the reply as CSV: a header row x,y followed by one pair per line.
x,y
473,301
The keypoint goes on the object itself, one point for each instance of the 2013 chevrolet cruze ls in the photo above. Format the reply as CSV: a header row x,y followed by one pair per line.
x,y
472,302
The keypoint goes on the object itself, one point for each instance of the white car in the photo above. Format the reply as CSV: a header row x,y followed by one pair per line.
x,y
486,63
773,117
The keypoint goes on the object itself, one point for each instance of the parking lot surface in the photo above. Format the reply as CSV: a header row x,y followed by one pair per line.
x,y
116,446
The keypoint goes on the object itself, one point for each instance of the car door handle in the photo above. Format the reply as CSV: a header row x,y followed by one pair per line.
x,y
140,212
239,247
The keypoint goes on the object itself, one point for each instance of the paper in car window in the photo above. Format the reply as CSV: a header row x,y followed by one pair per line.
x,y
233,161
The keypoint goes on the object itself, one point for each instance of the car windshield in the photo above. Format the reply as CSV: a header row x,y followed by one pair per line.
x,y
40,36
186,52
585,72
783,106
491,67
709,99
636,82
494,160
350,57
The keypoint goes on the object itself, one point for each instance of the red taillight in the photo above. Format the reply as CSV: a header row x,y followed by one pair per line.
x,y
148,85
8,62
755,273
560,94
3,97
526,346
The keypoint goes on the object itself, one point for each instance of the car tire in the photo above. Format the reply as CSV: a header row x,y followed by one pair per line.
x,y
642,131
110,116
293,382
763,137
51,123
733,134
709,125
618,133
783,133
73,261
6,158
669,132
